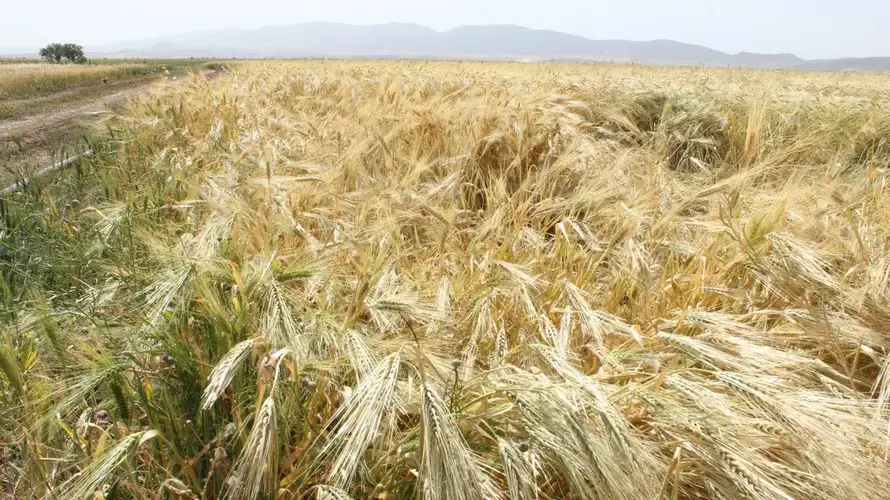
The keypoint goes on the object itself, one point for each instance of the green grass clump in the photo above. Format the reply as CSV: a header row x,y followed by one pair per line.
x,y
457,281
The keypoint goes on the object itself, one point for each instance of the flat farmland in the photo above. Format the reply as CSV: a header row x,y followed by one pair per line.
x,y
458,281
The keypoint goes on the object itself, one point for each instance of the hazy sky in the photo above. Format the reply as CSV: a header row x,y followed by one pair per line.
x,y
808,28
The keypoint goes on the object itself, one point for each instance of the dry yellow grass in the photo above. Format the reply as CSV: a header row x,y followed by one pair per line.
x,y
456,281
33,78
29,88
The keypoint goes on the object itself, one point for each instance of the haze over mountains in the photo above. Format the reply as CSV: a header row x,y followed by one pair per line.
x,y
488,42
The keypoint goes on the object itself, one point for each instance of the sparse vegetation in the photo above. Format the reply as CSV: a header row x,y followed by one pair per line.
x,y
458,281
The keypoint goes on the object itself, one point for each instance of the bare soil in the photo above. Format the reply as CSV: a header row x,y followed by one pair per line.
x,y
31,142
35,127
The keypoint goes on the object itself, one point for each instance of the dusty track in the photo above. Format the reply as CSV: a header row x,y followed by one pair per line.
x,y
51,122
37,126
41,137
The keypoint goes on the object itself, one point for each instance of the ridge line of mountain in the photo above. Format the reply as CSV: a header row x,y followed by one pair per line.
x,y
475,42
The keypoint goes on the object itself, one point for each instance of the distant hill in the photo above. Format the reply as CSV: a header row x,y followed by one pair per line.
x,y
489,42
849,64
496,42
18,52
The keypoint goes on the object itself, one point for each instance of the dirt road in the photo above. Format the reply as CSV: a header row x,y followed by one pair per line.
x,y
32,143
36,127
54,122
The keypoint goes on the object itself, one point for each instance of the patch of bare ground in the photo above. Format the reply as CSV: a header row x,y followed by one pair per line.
x,y
32,142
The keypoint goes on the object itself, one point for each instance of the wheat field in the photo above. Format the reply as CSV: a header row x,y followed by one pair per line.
x,y
27,79
458,281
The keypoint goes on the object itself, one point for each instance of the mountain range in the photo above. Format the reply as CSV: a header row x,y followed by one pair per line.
x,y
488,42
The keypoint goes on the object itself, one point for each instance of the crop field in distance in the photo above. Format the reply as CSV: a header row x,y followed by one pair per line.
x,y
27,86
401,280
